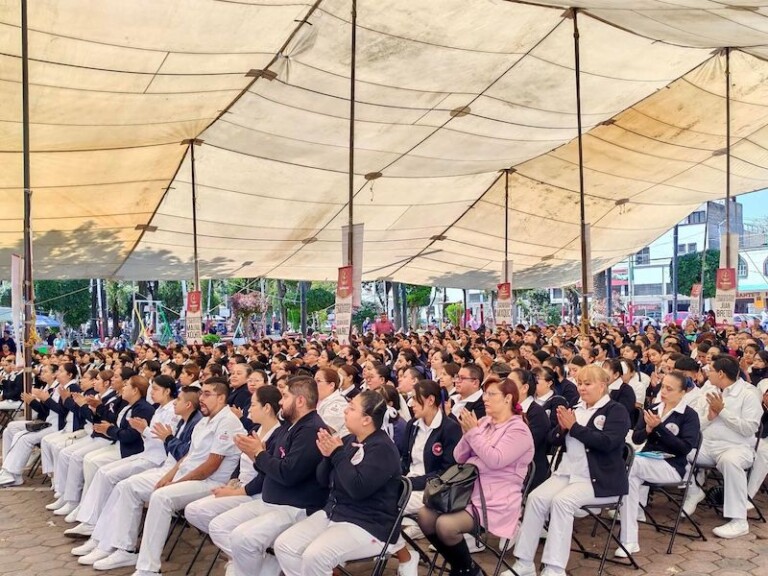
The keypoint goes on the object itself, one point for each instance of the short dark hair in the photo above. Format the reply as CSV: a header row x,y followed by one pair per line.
x,y
304,386
475,372
728,365
686,364
220,385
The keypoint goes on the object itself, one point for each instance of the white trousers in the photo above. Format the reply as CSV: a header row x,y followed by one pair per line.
x,y
120,520
759,469
643,470
53,444
557,499
104,481
68,477
732,461
10,405
201,512
250,540
221,527
315,546
163,503
18,445
92,461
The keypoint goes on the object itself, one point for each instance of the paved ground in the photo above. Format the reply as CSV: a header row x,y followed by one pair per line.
x,y
32,544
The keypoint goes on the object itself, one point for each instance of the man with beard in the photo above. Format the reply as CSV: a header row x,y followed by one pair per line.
x,y
210,461
289,489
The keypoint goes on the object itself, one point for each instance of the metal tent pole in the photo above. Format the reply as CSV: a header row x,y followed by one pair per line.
x,y
351,191
582,198
728,262
29,294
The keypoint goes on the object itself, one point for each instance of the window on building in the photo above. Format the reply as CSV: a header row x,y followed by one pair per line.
x,y
643,258
765,267
691,247
743,271
698,217
557,293
648,289
681,249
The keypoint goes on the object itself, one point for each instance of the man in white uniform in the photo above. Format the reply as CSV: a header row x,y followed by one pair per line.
x,y
729,440
211,459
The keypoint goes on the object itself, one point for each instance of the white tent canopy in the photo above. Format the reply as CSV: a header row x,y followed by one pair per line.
x,y
116,87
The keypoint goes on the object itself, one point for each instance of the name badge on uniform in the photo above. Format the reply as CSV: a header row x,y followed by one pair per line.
x,y
224,437
673,428
437,449
358,456
599,422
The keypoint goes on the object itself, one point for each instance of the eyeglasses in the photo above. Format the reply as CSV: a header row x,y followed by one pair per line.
x,y
463,378
209,393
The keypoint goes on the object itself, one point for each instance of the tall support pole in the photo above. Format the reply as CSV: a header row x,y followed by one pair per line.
x,y
582,198
29,295
675,290
192,145
703,262
609,293
351,191
303,307
728,158
506,225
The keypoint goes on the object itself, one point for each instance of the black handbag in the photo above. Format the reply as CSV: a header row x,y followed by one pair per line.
x,y
37,425
452,490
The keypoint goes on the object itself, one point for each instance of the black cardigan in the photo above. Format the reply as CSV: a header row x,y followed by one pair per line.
x,y
539,424
363,493
678,435
438,451
604,448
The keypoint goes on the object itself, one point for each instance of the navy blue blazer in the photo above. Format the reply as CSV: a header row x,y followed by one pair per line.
x,y
178,444
603,438
13,387
131,441
625,396
678,435
539,424
438,451
59,407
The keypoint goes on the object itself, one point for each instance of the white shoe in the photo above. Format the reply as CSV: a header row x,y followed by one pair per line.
x,y
95,555
521,568
85,549
57,494
473,544
56,504
145,573
410,568
118,559
750,506
552,571
71,518
413,532
8,479
692,500
229,569
65,510
80,530
732,529
632,548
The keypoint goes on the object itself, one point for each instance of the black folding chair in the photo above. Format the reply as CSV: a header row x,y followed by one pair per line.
x,y
482,534
676,493
712,473
8,416
629,457
178,521
380,561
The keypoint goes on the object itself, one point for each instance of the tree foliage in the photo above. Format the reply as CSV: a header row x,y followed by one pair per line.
x,y
689,272
69,298
366,310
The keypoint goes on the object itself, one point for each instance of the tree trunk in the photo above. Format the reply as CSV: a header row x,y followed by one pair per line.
x,y
281,290
102,284
94,309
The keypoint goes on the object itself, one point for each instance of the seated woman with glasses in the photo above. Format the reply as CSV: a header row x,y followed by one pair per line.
x,y
500,445
592,472
363,473
669,430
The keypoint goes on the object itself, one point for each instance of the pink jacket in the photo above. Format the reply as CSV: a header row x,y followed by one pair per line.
x,y
501,453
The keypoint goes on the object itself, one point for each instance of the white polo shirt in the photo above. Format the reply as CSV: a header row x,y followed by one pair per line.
x,y
214,436
154,448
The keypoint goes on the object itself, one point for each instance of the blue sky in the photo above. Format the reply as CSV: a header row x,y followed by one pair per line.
x,y
755,205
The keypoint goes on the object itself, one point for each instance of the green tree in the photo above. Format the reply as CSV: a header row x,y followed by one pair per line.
x,y
454,313
70,298
689,272
417,297
366,310
171,295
